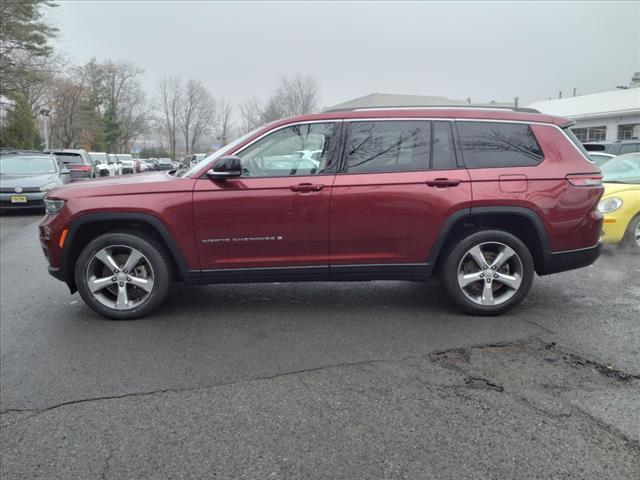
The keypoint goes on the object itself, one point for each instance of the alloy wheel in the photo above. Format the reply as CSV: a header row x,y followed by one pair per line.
x,y
120,277
490,273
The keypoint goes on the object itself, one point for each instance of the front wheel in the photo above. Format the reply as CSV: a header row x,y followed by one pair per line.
x,y
123,275
631,239
488,273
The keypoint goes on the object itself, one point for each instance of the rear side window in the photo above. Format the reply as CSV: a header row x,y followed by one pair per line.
x,y
495,144
394,146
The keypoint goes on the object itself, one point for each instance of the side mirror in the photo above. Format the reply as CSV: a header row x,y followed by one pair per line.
x,y
225,167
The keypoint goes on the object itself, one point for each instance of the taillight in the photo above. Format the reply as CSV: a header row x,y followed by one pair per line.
x,y
584,179
80,168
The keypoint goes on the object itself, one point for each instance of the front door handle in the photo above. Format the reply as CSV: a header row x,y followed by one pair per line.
x,y
443,182
306,187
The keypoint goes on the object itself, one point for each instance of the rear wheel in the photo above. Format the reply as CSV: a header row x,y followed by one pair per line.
x,y
123,276
488,272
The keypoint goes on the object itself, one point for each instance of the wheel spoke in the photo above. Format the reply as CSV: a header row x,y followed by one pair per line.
x,y
468,278
511,281
105,257
134,258
505,254
478,256
487,294
144,283
96,284
122,302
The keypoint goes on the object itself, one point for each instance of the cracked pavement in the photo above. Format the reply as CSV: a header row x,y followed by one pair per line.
x,y
364,380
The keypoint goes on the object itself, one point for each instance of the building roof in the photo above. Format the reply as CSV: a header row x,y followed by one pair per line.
x,y
604,104
395,100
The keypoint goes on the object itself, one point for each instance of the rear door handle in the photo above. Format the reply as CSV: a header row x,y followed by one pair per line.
x,y
306,187
443,182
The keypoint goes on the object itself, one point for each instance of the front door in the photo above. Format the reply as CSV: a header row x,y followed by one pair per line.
x,y
398,184
276,215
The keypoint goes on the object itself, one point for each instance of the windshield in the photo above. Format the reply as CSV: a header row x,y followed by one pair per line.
x,y
26,165
217,154
98,157
575,141
622,169
124,157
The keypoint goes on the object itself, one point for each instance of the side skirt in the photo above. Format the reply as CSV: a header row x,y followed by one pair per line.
x,y
415,272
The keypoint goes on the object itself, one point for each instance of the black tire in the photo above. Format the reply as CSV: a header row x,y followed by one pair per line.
x,y
458,250
154,253
629,241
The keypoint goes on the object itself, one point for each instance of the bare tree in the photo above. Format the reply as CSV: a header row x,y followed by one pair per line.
x,y
225,121
170,99
197,114
250,115
297,96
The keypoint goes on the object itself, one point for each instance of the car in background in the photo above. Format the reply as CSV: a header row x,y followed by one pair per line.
x,y
25,178
620,203
164,164
144,165
77,161
126,163
103,165
600,158
619,147
192,159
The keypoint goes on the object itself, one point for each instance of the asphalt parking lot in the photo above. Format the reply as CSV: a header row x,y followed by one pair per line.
x,y
363,380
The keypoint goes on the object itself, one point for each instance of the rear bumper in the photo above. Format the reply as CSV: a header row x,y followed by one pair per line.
x,y
570,260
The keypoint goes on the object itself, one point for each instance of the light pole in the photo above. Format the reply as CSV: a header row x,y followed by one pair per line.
x,y
44,111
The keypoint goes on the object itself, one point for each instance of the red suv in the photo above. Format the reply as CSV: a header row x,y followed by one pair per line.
x,y
483,197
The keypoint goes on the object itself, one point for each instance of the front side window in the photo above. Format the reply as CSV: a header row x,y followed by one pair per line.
x,y
495,144
388,146
297,150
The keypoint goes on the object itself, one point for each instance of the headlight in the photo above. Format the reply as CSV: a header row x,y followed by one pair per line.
x,y
53,206
610,204
48,186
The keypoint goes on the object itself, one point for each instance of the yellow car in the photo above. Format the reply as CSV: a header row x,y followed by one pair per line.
x,y
620,203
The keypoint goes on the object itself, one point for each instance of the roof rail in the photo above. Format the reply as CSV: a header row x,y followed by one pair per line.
x,y
400,107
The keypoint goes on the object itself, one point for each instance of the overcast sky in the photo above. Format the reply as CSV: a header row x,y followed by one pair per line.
x,y
485,51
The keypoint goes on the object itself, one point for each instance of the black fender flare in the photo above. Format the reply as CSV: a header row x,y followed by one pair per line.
x,y
470,213
146,218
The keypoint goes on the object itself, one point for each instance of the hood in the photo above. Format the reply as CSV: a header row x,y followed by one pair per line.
x,y
28,181
156,182
617,188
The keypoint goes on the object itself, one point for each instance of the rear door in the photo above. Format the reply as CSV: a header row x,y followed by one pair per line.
x,y
398,183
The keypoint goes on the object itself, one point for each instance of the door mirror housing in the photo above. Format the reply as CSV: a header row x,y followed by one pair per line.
x,y
225,167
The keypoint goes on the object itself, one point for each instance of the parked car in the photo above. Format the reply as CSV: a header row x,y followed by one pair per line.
x,y
164,164
77,161
618,147
103,165
600,158
126,163
390,198
620,203
193,158
25,178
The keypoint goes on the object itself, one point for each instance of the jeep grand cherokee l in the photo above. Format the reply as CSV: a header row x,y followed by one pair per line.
x,y
483,197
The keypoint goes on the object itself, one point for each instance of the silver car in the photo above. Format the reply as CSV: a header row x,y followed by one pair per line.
x,y
25,178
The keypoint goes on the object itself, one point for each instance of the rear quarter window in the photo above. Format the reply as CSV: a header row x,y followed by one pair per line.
x,y
496,144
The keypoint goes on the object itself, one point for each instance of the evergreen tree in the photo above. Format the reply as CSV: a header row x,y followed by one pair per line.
x,y
19,129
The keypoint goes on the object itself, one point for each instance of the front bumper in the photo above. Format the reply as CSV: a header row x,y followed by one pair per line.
x,y
34,200
570,260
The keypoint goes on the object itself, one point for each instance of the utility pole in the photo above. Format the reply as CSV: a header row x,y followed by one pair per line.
x,y
574,91
45,118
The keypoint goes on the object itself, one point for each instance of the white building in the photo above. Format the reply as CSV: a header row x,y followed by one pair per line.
x,y
605,116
